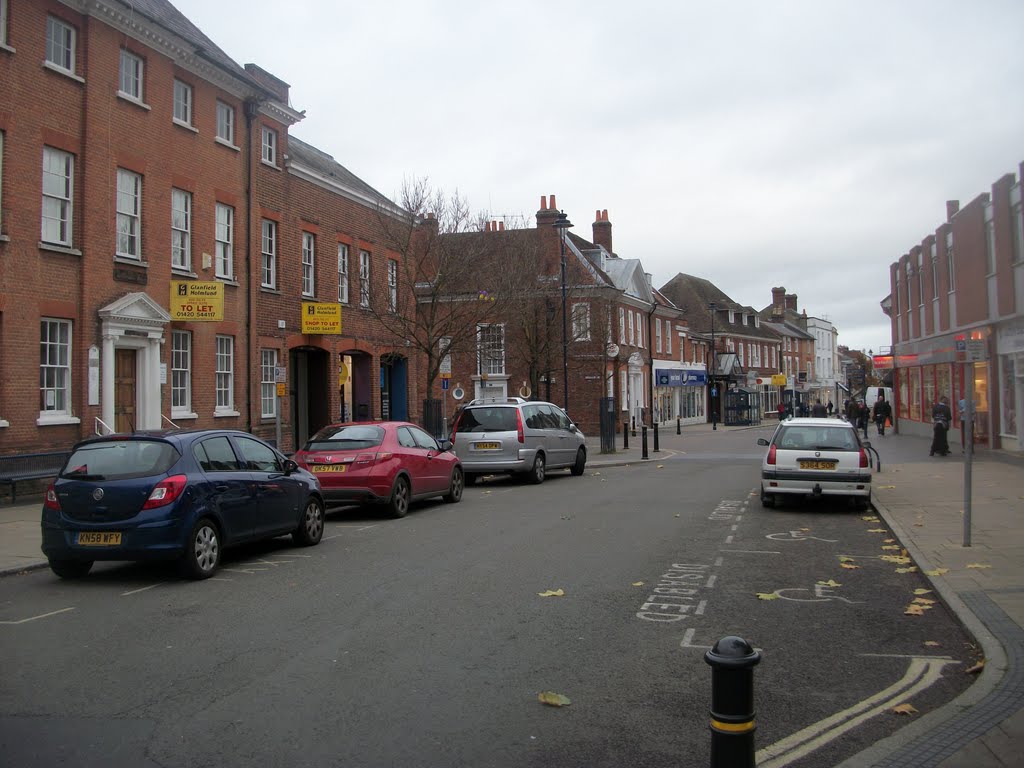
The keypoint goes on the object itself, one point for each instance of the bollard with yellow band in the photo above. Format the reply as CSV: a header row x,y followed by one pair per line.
x,y
732,663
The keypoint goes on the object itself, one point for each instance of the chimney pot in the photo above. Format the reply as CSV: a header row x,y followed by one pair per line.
x,y
501,226
554,205
543,202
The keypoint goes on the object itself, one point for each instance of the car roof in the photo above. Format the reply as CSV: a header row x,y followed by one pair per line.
x,y
168,435
819,421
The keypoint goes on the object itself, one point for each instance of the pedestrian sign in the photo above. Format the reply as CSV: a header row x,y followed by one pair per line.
x,y
444,384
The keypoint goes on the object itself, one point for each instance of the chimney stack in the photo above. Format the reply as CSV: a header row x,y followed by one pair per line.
x,y
791,301
952,207
778,302
547,214
603,230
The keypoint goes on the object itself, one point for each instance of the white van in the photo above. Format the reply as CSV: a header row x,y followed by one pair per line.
x,y
871,396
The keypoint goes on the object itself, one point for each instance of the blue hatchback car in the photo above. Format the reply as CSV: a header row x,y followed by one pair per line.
x,y
180,495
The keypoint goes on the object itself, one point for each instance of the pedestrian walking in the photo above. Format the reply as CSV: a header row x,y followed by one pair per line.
x,y
818,411
830,407
782,411
881,413
941,418
863,417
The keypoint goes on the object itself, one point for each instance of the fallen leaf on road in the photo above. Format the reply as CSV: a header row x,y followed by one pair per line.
x,y
638,583
805,529
914,610
877,530
596,474
904,709
829,583
552,593
871,518
661,466
976,668
978,565
678,515
898,559
889,541
937,572
922,591
553,699
767,596
932,643
924,601
849,566
911,569
886,487
846,559
890,546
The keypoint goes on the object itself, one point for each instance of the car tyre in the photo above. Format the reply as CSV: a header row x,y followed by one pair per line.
x,y
70,569
862,503
767,500
311,527
536,473
581,462
398,505
454,495
202,550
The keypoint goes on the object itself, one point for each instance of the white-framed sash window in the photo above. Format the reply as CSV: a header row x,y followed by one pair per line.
x,y
181,229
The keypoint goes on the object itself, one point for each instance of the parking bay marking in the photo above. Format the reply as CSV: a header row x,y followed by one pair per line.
x,y
922,672
34,618
796,536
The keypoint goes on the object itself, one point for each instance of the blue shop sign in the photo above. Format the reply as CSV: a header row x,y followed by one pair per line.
x,y
674,377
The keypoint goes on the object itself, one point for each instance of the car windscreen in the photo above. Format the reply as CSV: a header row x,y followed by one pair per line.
x,y
488,420
120,459
804,438
346,438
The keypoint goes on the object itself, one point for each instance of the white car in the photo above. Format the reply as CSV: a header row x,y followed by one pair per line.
x,y
815,457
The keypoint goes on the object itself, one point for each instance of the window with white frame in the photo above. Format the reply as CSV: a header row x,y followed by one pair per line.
x,y
950,262
609,384
1,164
581,321
490,345
183,103
54,367
343,273
129,214
739,353
622,325
268,250
657,334
269,145
224,233
3,22
623,391
268,383
920,280
990,246
775,361
392,285
181,373
225,373
226,123
60,44
308,264
639,330
935,273
132,69
668,337
181,229
632,329
58,188
364,278
1017,227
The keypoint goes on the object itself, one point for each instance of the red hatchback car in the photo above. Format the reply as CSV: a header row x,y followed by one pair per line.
x,y
382,462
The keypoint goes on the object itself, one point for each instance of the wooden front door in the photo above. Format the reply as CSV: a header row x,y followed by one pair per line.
x,y
124,390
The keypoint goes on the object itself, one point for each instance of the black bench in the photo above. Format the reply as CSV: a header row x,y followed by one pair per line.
x,y
30,466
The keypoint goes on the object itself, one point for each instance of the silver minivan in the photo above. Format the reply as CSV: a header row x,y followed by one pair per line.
x,y
517,436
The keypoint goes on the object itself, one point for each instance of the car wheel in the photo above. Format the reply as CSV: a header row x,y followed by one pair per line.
x,y
581,462
862,503
70,569
202,551
767,500
311,527
454,495
398,506
536,473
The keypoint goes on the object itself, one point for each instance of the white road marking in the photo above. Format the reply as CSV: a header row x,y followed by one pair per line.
x,y
243,570
728,539
700,608
718,561
711,581
143,589
751,551
40,616
921,673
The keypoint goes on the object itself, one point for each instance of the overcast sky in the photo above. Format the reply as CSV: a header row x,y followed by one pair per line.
x,y
758,143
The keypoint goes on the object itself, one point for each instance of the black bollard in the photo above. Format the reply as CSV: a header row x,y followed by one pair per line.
x,y
656,437
633,419
643,442
679,425
732,663
625,435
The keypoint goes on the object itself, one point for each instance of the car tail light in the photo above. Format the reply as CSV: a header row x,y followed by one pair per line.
x,y
863,458
372,458
771,454
519,426
51,499
166,491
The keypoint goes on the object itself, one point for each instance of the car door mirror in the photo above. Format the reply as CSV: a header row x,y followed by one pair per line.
x,y
290,466
444,444
762,441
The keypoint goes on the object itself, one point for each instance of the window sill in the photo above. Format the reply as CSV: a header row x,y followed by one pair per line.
x,y
53,421
129,260
132,100
270,164
61,71
183,272
186,126
225,143
183,416
4,423
225,414
269,289
7,48
228,280
4,239
55,248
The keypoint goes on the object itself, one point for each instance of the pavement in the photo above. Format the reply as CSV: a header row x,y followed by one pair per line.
x,y
922,500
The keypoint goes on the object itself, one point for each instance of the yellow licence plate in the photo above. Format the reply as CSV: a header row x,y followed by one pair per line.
x,y
487,446
98,538
328,467
809,464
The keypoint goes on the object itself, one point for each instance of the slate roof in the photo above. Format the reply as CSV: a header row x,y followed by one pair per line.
x,y
692,295
327,166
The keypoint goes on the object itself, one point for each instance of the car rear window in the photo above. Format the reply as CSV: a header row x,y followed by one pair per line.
x,y
120,459
346,438
488,420
804,437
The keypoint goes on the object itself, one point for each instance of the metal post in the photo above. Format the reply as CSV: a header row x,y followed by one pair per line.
x,y
679,425
969,458
633,420
643,442
625,435
656,437
732,663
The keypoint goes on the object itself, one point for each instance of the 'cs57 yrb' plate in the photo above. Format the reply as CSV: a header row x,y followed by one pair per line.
x,y
328,467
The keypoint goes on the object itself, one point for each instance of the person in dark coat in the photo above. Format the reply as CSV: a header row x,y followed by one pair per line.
x,y
863,416
880,412
818,411
830,407
942,416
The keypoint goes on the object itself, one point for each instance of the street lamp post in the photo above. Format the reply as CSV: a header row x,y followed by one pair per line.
x,y
714,367
562,223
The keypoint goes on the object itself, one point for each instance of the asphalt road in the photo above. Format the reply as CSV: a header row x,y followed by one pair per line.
x,y
424,642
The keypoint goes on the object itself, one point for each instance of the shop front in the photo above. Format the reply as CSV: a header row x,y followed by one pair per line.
x,y
680,392
1010,363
